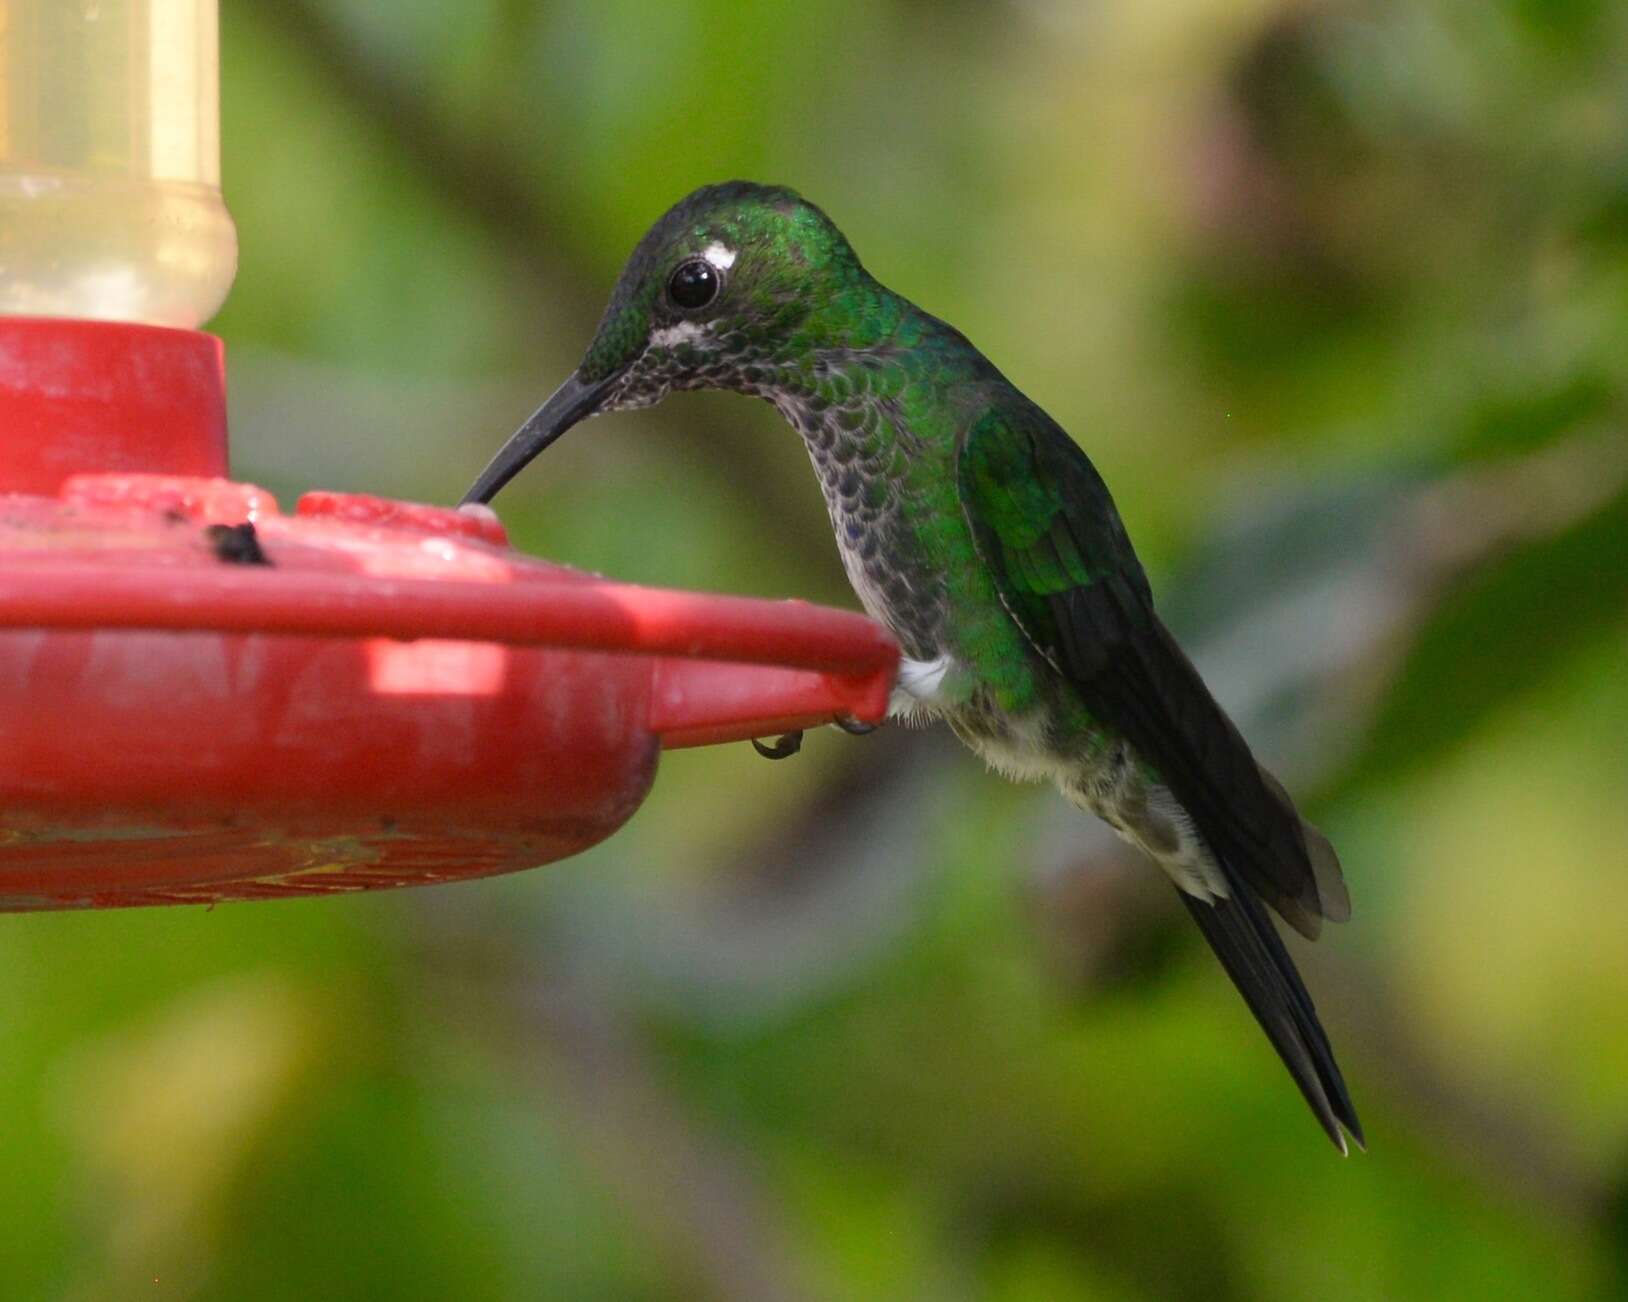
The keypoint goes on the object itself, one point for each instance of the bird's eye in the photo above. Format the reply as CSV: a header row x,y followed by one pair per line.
x,y
694,283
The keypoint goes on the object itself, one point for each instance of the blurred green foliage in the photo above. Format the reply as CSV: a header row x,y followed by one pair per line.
x,y
1336,295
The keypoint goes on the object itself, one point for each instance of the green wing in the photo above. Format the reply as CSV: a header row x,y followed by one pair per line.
x,y
1045,523
1046,526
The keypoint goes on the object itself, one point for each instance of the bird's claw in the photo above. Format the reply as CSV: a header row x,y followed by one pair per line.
x,y
853,727
784,746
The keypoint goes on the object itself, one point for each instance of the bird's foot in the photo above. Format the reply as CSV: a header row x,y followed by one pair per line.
x,y
853,727
783,747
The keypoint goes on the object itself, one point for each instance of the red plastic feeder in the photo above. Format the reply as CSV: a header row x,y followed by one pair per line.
x,y
367,693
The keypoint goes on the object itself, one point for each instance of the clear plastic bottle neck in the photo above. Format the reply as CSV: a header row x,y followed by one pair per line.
x,y
110,203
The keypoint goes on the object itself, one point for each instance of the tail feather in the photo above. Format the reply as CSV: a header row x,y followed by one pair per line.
x,y
1253,955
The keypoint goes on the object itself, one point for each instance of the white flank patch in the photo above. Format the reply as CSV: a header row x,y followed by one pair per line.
x,y
923,678
918,688
719,255
685,332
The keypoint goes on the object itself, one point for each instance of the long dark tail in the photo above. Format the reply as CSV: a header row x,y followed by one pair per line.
x,y
1248,946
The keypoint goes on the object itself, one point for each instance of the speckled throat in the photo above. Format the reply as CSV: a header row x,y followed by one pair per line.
x,y
846,405
862,452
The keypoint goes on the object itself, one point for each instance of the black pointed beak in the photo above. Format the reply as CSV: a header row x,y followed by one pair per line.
x,y
572,402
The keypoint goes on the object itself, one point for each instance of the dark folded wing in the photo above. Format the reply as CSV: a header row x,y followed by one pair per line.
x,y
1046,526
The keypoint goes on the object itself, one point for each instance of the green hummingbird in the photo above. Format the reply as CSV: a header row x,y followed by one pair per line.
x,y
978,532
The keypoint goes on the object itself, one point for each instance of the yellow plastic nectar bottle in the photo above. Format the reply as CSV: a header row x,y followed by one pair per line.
x,y
110,203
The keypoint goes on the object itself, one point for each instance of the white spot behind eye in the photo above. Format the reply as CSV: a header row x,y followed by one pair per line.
x,y
719,255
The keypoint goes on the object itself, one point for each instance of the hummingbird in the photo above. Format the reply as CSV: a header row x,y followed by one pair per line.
x,y
977,531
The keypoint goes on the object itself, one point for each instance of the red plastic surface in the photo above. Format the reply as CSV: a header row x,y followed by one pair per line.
x,y
79,396
396,698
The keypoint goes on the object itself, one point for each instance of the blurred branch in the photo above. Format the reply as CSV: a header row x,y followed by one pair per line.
x,y
559,1018
467,171
1528,550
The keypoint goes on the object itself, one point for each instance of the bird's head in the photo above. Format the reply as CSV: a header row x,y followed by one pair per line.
x,y
733,278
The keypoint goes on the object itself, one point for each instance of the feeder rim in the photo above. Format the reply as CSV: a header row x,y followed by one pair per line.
x,y
587,614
